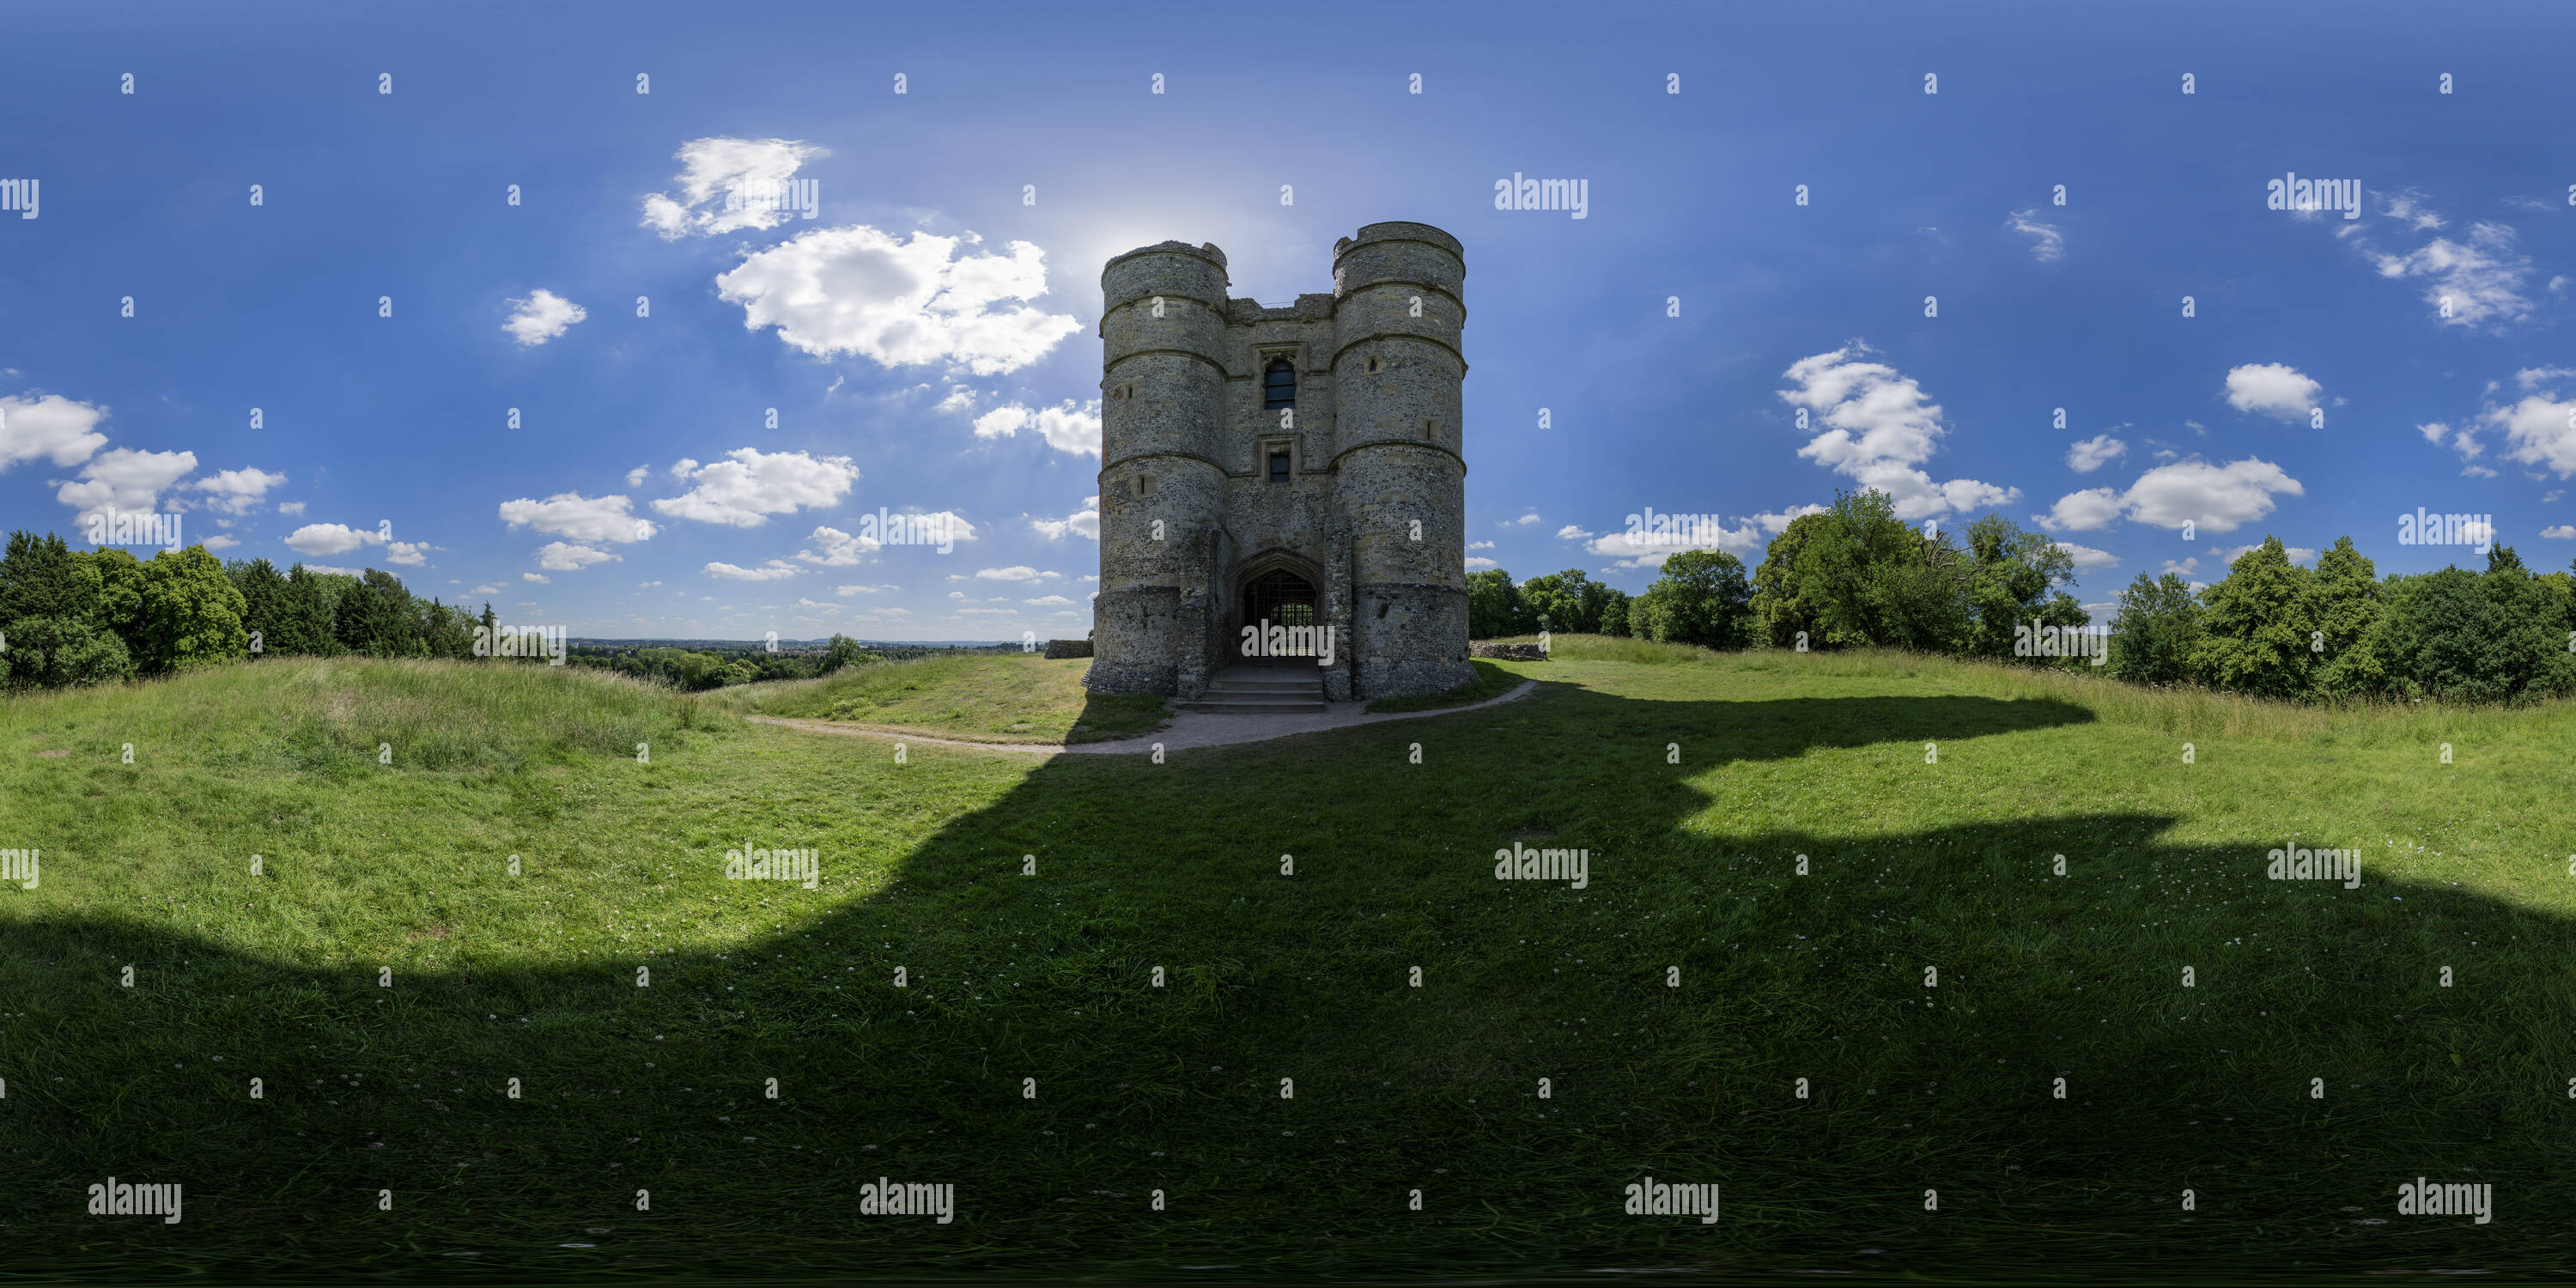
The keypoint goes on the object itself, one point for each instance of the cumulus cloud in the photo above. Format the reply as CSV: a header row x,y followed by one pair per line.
x,y
542,317
538,578
411,554
901,303
1572,532
1084,522
770,571
570,514
2088,557
1744,539
1066,427
562,556
219,543
749,485
1047,599
2539,429
2559,532
713,168
2217,498
1016,572
2093,453
1477,562
2298,554
863,590
2046,242
1873,425
2271,389
126,479
236,491
49,427
840,549
331,539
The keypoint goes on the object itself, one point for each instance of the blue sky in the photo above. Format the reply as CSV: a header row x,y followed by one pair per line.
x,y
928,340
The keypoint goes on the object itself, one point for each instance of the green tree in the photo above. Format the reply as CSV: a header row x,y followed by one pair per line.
x,y
1780,609
264,602
191,612
2344,613
1492,605
120,597
56,652
1612,616
1556,602
843,651
2012,573
374,617
2155,631
2255,634
41,577
1702,598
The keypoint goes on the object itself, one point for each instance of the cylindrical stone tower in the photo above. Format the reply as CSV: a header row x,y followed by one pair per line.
x,y
1162,489
1401,480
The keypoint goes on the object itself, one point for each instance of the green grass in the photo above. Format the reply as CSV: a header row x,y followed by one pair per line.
x,y
1491,682
981,697
1270,976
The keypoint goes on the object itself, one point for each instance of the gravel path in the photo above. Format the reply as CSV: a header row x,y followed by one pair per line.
x,y
1188,729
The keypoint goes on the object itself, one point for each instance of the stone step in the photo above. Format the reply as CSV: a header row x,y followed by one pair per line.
x,y
1257,686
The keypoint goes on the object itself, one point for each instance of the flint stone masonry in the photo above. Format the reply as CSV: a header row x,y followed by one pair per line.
x,y
1068,648
1509,652
1371,513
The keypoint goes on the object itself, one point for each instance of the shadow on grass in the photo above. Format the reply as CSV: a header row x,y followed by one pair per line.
x,y
1288,1086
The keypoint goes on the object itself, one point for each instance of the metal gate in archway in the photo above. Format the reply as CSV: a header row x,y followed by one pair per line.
x,y
1282,598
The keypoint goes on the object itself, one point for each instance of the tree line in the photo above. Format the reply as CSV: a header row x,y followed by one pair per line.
x,y
1854,574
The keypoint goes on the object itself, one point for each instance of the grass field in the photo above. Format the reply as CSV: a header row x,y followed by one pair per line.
x,y
1030,1061
976,697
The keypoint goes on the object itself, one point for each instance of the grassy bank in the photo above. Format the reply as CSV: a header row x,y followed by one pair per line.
x,y
976,697
1030,1060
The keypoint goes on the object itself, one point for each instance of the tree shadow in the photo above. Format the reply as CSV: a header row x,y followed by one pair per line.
x,y
1208,990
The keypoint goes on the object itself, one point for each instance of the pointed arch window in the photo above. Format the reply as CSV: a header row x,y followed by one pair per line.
x,y
1279,385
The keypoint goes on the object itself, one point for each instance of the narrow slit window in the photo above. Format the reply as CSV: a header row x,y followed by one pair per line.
x,y
1279,467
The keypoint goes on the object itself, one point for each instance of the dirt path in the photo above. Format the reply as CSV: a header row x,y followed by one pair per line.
x,y
1189,729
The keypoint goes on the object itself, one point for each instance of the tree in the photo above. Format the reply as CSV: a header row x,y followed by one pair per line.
x,y
263,592
41,577
1556,602
2012,575
2343,613
303,624
1492,604
2155,631
1612,616
1859,575
54,652
842,652
2255,634
1702,598
375,617
1780,609
120,596
191,613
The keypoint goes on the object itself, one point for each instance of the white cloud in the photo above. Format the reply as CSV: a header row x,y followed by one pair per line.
x,y
126,479
1745,540
1047,599
330,539
1570,532
748,486
2475,283
1084,522
960,400
1479,561
2046,241
237,491
2539,430
542,317
570,514
2218,498
2271,389
1873,426
559,556
713,168
487,590
539,579
410,554
840,549
219,543
635,477
771,571
1523,521
1016,572
2093,453
2298,554
1480,545
2087,511
832,291
290,507
2560,532
863,590
1065,427
49,427
2087,556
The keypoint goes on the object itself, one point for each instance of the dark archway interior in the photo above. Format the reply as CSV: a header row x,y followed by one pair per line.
x,y
1279,598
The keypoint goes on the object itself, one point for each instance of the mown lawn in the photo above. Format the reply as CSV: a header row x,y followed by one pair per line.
x,y
1915,859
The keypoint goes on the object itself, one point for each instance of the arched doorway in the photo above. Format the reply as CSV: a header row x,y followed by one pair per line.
x,y
1281,610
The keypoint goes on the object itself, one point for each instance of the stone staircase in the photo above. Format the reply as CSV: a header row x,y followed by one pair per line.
x,y
1262,690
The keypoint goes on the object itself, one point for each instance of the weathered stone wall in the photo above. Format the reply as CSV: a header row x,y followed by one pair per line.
x,y
1068,648
1508,652
1373,510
